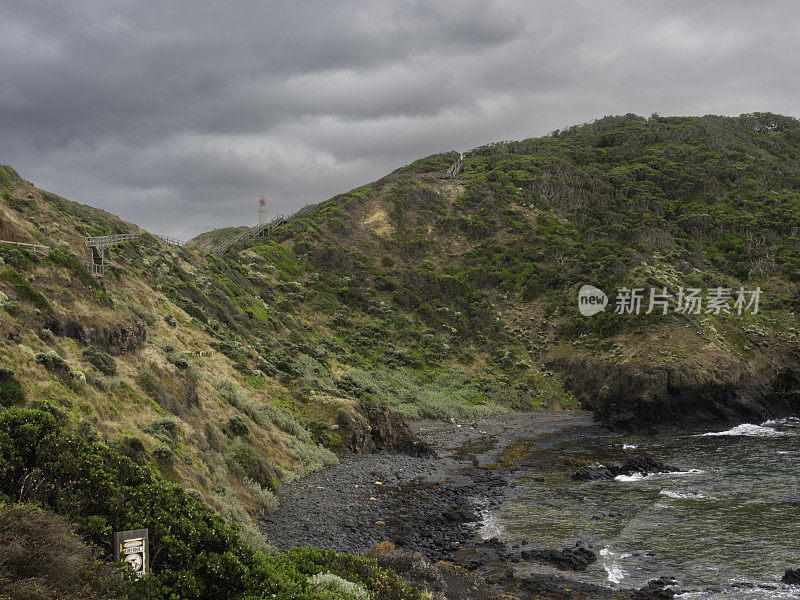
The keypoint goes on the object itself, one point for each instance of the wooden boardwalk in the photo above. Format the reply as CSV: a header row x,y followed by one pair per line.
x,y
97,247
37,248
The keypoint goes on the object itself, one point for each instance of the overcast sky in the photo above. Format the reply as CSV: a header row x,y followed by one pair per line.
x,y
178,115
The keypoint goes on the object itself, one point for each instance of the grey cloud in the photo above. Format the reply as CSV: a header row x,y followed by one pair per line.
x,y
178,115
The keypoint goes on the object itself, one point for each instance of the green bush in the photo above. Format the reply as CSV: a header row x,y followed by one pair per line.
x,y
334,583
131,446
263,414
165,430
246,463
41,558
163,453
100,360
196,555
54,363
236,426
266,498
11,391
75,266
311,457
24,290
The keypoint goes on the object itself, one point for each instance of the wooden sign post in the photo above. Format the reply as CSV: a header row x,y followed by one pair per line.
x,y
133,547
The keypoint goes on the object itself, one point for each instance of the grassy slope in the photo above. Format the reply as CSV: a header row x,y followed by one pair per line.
x,y
446,298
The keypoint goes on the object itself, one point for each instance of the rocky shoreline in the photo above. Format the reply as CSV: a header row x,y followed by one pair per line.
x,y
711,390
423,513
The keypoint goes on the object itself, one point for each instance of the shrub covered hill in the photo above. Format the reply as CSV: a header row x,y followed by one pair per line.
x,y
442,298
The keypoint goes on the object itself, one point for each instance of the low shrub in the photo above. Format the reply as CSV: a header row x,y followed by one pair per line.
x,y
263,414
41,557
131,446
266,499
334,583
244,462
60,257
24,290
100,360
141,312
54,363
163,453
165,430
11,391
311,457
236,426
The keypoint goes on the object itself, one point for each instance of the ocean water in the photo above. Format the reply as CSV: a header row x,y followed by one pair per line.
x,y
726,525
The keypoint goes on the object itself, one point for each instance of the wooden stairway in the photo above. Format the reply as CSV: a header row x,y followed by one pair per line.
x,y
259,231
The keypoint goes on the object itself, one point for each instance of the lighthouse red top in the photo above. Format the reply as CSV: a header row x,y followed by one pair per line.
x,y
262,201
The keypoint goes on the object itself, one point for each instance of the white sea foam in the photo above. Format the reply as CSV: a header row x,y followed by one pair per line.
x,y
767,592
787,421
490,525
634,477
682,495
747,429
679,473
639,476
614,570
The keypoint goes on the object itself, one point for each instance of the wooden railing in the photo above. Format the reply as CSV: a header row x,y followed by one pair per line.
x,y
169,240
101,241
93,268
98,242
38,248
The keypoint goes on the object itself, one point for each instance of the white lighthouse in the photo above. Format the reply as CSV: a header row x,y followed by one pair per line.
x,y
262,211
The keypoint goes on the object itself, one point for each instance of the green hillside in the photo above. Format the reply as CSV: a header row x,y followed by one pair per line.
x,y
444,298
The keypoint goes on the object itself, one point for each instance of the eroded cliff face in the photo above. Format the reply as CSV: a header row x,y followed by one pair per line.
x,y
372,427
117,338
714,389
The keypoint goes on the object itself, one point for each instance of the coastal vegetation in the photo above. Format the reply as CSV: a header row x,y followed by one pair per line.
x,y
182,389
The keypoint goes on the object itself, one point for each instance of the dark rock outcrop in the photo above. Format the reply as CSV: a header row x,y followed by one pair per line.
x,y
115,339
576,558
373,427
643,464
791,577
712,390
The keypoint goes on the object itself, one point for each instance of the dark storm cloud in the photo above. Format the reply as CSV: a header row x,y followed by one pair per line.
x,y
177,115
